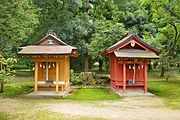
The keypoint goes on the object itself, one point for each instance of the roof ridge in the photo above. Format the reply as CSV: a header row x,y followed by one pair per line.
x,y
126,39
56,38
120,41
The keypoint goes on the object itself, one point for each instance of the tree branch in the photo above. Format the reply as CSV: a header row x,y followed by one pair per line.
x,y
170,11
175,38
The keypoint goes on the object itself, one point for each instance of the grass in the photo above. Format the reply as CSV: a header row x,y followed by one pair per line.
x,y
43,115
4,116
13,90
92,94
22,83
24,109
169,91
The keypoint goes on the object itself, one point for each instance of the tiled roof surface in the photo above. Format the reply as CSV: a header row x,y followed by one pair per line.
x,y
135,53
46,49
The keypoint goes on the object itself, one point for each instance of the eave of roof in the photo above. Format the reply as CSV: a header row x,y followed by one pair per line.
x,y
135,53
46,50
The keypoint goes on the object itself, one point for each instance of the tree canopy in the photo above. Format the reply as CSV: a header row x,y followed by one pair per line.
x,y
18,18
91,25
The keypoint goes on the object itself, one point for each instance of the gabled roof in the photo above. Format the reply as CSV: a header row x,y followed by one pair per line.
x,y
53,36
60,48
126,40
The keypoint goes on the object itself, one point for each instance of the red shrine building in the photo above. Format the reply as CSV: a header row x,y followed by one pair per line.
x,y
128,63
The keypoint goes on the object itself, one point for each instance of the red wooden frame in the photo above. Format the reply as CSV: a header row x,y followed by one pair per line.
x,y
122,69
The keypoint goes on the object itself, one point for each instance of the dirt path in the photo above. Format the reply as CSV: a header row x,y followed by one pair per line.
x,y
130,108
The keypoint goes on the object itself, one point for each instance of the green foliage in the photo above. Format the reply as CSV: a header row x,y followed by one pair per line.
x,y
24,63
168,63
90,25
101,79
74,78
70,20
165,15
6,68
106,34
88,78
17,22
83,78
94,94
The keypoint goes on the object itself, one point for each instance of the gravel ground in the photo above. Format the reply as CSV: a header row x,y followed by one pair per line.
x,y
129,108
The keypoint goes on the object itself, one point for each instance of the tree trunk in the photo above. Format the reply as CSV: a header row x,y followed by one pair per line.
x,y
2,87
86,63
162,71
100,64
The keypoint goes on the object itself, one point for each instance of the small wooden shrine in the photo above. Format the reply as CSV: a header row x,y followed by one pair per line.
x,y
52,62
128,63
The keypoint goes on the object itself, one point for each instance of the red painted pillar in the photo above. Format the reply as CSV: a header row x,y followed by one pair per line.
x,y
145,77
124,77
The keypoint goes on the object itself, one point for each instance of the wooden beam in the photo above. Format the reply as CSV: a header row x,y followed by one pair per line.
x,y
124,77
57,77
47,77
68,83
36,77
132,62
62,88
145,77
50,60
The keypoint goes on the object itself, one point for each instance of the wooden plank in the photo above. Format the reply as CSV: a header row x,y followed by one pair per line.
x,y
62,88
45,41
36,77
57,76
145,77
63,70
132,40
49,58
52,72
116,71
124,77
132,62
68,68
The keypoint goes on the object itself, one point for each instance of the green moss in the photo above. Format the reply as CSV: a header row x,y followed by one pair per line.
x,y
94,94
12,90
170,91
43,115
4,116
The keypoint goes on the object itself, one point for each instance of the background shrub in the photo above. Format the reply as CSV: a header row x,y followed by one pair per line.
x,y
74,78
87,78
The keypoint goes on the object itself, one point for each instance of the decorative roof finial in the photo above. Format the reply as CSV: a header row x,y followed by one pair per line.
x,y
132,31
51,32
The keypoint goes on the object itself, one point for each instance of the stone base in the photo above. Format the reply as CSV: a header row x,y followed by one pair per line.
x,y
49,93
132,93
